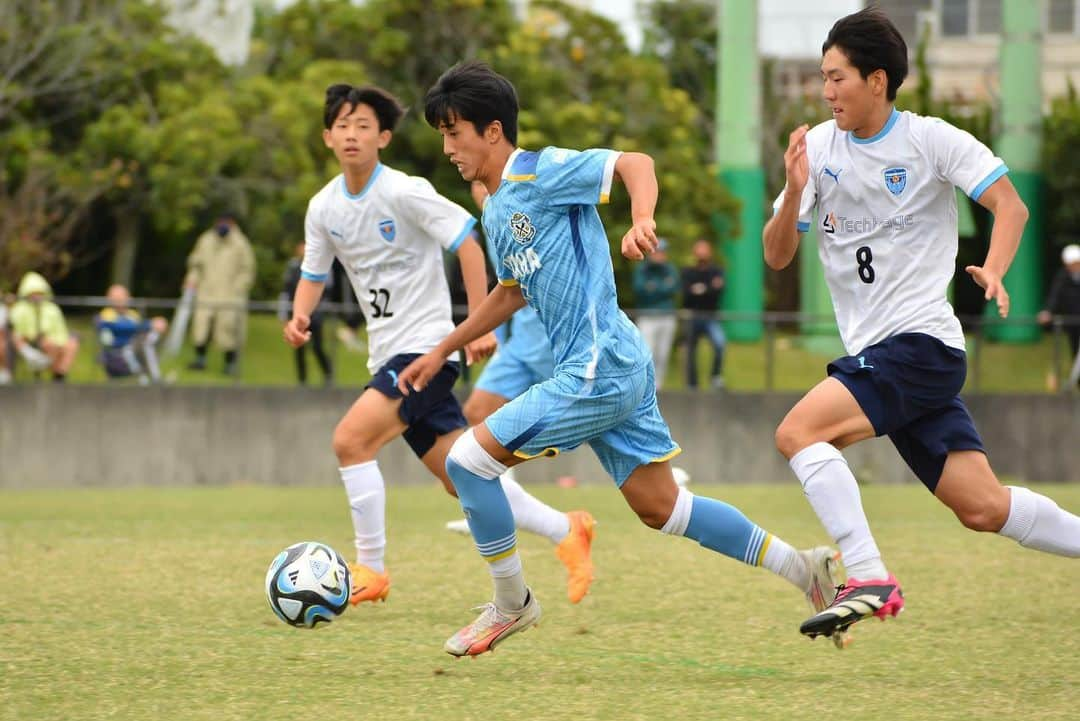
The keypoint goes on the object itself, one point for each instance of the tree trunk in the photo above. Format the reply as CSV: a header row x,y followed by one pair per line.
x,y
127,246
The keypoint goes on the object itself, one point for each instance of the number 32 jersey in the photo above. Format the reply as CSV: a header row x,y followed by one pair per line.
x,y
389,237
887,223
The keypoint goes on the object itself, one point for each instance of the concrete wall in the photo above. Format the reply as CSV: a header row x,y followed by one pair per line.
x,y
71,436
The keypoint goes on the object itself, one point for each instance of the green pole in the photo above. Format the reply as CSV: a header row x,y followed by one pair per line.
x,y
738,155
1019,145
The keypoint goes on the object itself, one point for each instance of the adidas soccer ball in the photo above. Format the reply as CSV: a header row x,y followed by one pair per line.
x,y
307,583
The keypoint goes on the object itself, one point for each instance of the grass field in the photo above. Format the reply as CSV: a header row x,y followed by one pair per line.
x,y
148,604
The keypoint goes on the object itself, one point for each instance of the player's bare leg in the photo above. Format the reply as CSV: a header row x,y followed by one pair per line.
x,y
370,424
970,489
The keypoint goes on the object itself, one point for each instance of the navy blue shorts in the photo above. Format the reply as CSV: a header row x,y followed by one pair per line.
x,y
908,386
430,413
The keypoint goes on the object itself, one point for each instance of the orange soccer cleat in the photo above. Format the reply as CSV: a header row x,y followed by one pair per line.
x,y
368,584
574,551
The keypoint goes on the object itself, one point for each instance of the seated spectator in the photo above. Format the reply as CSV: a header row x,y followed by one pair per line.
x,y
39,331
128,343
1064,300
5,360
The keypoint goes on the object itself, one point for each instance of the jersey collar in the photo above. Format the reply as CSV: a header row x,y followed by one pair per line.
x,y
510,162
893,117
367,186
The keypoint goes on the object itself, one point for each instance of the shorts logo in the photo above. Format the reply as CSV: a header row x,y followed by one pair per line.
x,y
522,228
387,230
896,180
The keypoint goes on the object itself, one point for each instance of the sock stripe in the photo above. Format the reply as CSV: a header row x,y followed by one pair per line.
x,y
505,554
498,544
764,549
753,546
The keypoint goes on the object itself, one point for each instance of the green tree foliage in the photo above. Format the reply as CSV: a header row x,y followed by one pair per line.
x,y
1061,173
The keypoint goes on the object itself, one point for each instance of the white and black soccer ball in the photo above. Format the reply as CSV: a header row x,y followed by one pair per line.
x,y
307,583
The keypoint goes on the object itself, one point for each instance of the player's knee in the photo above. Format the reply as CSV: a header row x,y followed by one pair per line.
x,y
986,515
352,446
789,439
654,518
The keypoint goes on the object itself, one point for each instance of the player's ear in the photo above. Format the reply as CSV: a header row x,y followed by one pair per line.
x,y
879,81
384,138
493,133
326,138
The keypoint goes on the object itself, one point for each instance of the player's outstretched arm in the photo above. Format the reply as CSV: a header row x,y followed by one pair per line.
x,y
308,293
1010,216
781,235
637,172
501,303
474,275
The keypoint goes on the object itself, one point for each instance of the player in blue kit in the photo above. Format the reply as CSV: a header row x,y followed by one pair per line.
x,y
551,252
882,184
522,360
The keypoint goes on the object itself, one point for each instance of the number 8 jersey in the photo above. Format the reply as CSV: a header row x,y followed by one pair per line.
x,y
887,223
389,237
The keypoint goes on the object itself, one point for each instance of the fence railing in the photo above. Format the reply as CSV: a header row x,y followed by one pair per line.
x,y
775,326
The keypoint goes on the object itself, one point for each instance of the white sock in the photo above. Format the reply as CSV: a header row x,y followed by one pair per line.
x,y
510,590
785,561
834,495
1035,521
367,500
531,514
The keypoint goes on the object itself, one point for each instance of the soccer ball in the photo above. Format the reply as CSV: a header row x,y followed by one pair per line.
x,y
307,583
682,478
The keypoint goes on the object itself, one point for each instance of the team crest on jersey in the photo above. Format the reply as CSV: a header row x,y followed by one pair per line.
x,y
896,180
387,229
522,228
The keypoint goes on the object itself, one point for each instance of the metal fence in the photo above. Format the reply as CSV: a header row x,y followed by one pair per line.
x,y
777,329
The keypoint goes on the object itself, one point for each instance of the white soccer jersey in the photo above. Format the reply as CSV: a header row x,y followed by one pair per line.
x,y
887,223
389,238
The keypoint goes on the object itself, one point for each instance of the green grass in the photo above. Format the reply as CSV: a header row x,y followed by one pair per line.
x,y
148,604
798,362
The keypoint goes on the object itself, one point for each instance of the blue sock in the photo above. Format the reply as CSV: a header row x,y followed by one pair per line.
x,y
490,519
723,528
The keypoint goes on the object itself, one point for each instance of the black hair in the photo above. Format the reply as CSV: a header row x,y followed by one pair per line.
x,y
387,109
472,91
871,42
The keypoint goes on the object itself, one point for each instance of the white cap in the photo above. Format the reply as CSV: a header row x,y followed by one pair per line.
x,y
1070,254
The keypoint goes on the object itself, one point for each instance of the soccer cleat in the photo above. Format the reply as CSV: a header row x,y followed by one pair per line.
x,y
368,584
855,601
459,526
574,552
823,563
491,627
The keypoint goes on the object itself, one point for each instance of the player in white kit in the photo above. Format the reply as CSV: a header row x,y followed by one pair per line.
x,y
389,231
881,183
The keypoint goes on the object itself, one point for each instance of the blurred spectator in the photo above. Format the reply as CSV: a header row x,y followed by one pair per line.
x,y
39,330
128,342
703,285
292,278
5,339
1064,300
656,283
221,270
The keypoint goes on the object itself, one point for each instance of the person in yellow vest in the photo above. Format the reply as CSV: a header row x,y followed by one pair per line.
x,y
38,329
221,270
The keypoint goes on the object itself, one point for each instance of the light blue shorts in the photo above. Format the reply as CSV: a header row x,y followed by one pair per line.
x,y
617,417
508,376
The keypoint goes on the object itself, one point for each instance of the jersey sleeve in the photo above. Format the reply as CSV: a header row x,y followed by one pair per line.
x,y
318,247
576,177
806,204
961,159
439,218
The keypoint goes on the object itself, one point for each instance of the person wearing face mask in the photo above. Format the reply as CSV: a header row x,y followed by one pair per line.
x,y
221,270
1064,300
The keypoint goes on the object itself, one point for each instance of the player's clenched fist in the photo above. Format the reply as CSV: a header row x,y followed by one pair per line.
x,y
297,331
640,240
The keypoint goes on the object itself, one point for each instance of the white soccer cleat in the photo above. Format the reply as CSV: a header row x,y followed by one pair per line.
x,y
458,526
492,627
824,566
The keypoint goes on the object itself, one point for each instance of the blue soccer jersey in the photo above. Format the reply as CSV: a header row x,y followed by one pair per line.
x,y
548,238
